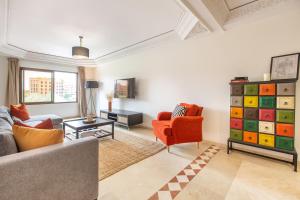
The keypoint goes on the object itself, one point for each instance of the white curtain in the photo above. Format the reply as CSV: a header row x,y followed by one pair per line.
x,y
13,91
82,94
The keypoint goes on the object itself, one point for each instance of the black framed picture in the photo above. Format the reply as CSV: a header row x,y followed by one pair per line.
x,y
285,67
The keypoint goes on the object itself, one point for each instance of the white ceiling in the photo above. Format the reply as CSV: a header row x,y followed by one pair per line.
x,y
45,30
53,26
232,4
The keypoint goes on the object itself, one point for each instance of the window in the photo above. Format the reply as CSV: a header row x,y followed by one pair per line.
x,y
46,86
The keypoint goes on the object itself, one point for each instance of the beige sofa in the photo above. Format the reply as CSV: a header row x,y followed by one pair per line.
x,y
57,172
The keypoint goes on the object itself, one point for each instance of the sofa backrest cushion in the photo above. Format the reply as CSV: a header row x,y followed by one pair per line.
x,y
19,111
192,109
4,114
7,143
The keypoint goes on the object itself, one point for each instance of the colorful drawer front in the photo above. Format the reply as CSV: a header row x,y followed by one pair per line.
x,y
236,101
285,116
251,102
285,102
236,112
236,123
266,127
286,89
251,125
267,89
250,137
237,90
236,134
285,143
285,130
266,140
266,114
251,89
267,102
251,113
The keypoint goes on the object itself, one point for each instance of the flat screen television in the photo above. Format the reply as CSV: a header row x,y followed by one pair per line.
x,y
125,88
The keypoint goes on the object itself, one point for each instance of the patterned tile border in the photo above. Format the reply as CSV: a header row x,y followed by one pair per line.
x,y
170,190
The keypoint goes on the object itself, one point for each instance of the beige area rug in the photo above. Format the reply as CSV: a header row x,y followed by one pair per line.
x,y
123,151
256,182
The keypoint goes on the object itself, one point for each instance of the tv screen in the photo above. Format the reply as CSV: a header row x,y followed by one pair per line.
x,y
125,88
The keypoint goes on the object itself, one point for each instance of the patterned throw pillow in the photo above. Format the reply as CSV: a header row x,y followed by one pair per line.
x,y
178,111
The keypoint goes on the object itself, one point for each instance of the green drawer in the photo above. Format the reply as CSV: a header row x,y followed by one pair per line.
x,y
267,102
285,116
236,134
251,89
285,143
251,125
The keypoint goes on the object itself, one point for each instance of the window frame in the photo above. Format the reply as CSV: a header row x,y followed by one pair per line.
x,y
22,82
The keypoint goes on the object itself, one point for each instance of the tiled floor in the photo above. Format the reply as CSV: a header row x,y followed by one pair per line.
x,y
219,179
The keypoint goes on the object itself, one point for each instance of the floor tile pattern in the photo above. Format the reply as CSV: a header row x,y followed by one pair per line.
x,y
171,189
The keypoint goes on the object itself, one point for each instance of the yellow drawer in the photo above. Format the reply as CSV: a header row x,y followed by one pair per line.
x,y
286,102
266,140
236,112
251,101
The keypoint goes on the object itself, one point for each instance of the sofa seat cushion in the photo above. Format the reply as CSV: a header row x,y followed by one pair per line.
x,y
7,143
34,120
32,138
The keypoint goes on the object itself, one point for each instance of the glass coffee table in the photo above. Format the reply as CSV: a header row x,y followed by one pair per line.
x,y
79,127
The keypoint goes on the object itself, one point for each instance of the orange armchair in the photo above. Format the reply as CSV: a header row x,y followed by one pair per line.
x,y
178,130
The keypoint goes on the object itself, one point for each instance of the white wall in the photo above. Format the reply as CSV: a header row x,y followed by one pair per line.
x,y
63,109
3,79
199,69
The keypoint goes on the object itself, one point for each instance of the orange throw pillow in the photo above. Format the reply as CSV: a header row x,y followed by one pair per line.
x,y
19,111
192,109
46,124
32,138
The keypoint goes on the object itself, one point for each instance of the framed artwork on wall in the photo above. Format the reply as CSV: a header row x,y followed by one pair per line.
x,y
285,67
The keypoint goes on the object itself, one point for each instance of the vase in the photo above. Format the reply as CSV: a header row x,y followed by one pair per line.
x,y
109,106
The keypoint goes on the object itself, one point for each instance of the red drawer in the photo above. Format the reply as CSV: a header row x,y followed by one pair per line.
x,y
266,114
236,123
285,130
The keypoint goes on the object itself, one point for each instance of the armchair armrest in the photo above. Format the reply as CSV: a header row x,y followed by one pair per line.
x,y
187,128
52,172
164,116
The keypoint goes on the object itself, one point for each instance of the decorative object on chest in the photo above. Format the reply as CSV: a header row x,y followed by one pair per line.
x,y
262,115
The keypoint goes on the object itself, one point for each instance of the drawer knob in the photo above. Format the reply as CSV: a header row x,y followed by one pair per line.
x,y
236,113
266,127
235,101
285,103
285,117
250,138
267,116
266,140
284,130
285,89
250,101
267,90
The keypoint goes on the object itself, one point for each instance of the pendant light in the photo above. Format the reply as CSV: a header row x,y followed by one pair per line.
x,y
80,52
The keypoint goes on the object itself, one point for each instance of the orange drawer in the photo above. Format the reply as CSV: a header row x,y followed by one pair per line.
x,y
267,89
285,130
236,112
250,137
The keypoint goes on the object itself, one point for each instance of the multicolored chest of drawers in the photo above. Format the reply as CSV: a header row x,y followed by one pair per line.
x,y
262,114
